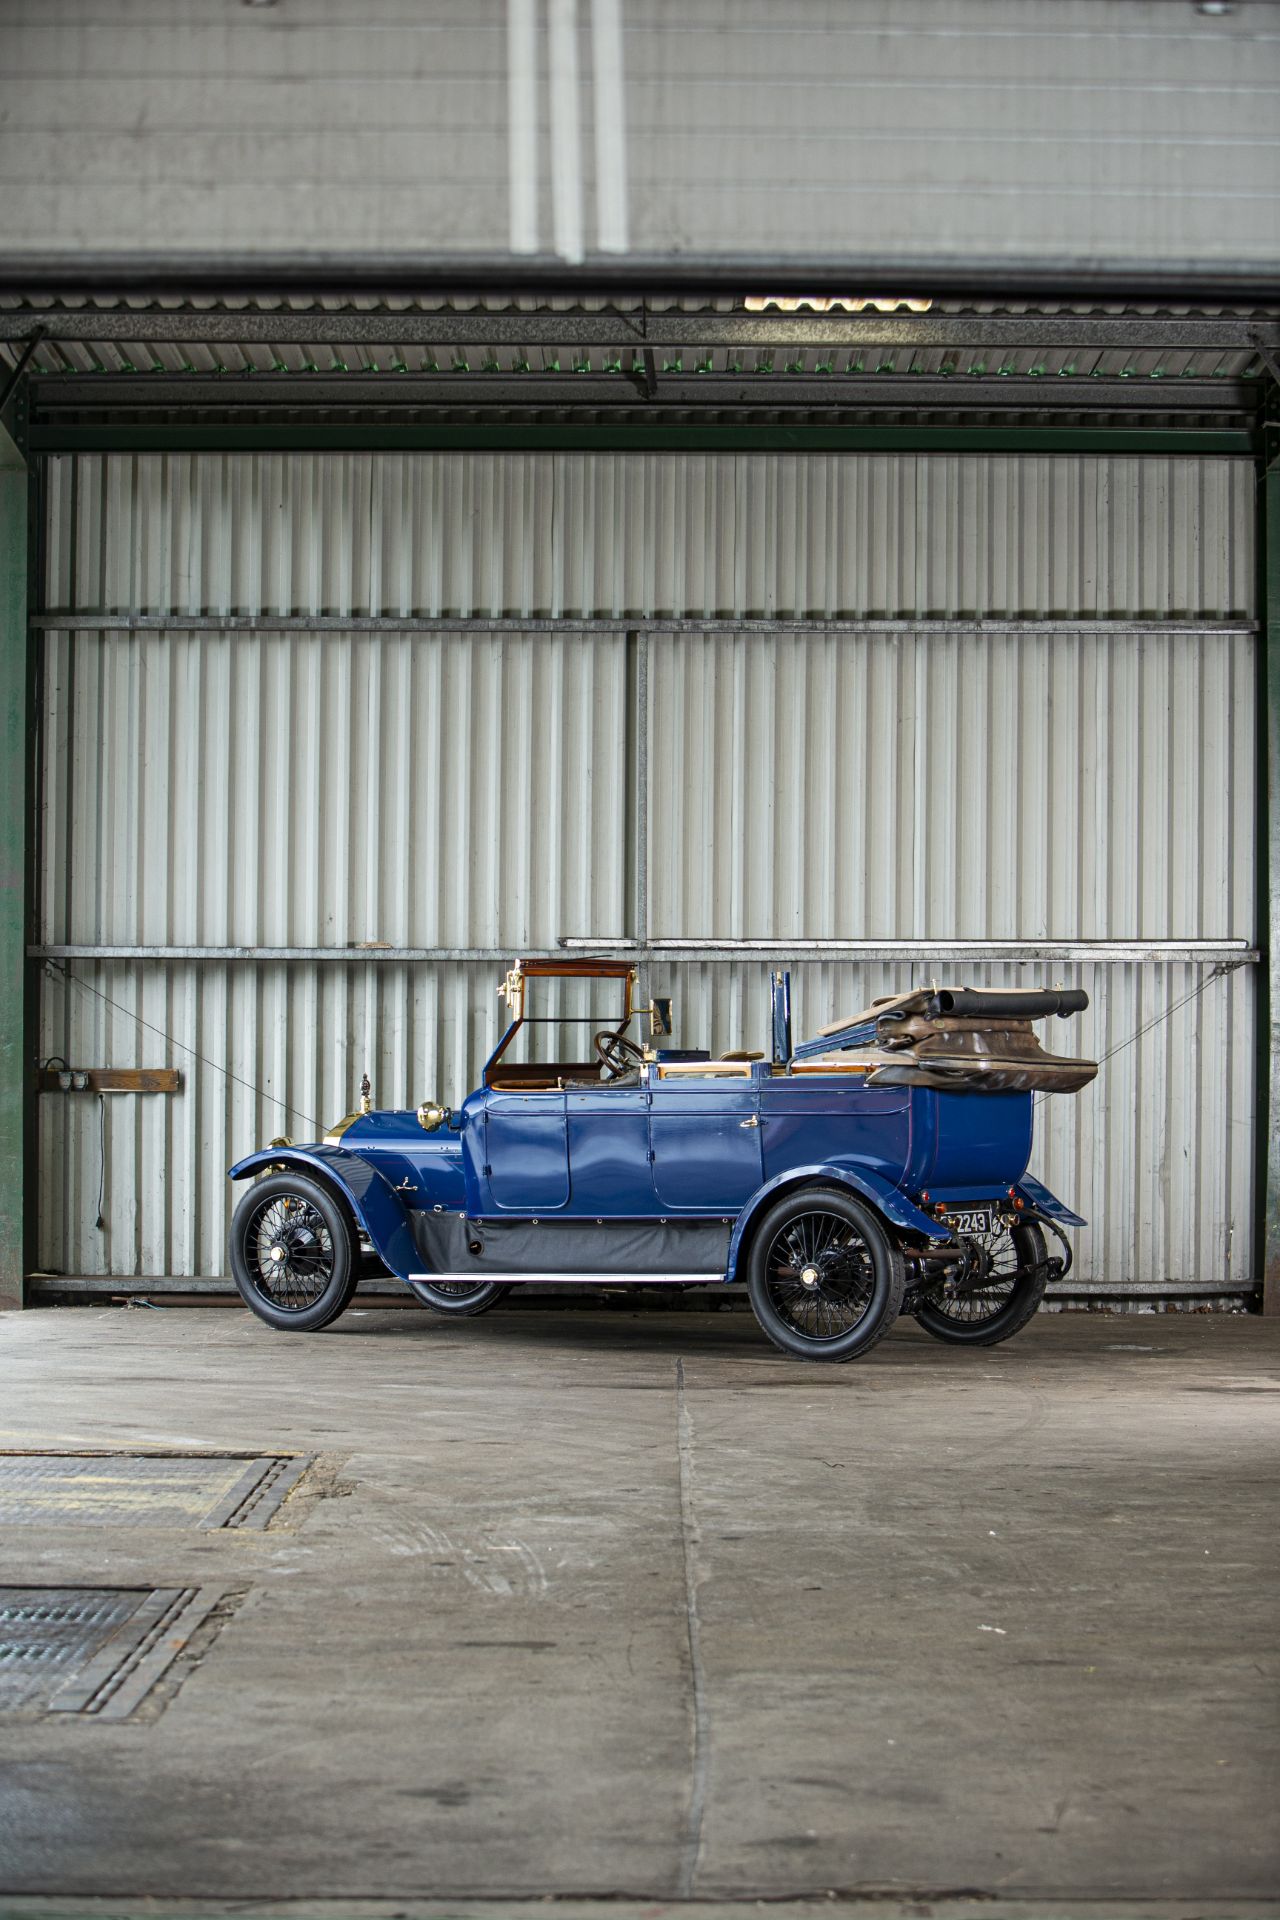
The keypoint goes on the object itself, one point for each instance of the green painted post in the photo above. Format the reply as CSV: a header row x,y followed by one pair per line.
x,y
13,870
1270,1117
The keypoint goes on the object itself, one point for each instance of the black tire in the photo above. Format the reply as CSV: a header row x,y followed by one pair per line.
x,y
991,1314
294,1252
856,1294
460,1299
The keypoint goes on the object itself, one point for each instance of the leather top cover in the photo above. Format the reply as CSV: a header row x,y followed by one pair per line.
x,y
958,1039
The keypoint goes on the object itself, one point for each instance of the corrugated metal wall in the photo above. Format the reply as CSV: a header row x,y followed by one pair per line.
x,y
963,786
328,788
324,790
651,534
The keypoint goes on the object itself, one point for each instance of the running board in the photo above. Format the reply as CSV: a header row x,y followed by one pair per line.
x,y
487,1279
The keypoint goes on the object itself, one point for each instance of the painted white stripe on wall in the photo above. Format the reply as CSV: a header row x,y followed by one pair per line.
x,y
522,124
609,113
566,130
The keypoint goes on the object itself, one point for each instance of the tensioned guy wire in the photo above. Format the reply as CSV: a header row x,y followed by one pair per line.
x,y
1218,972
181,1045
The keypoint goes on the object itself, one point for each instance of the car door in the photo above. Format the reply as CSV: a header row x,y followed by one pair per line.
x,y
527,1150
704,1141
609,1151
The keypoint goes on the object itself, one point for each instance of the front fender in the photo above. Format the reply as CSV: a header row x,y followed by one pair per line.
x,y
373,1200
887,1200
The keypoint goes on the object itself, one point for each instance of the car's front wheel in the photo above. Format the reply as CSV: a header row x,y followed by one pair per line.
x,y
294,1253
825,1280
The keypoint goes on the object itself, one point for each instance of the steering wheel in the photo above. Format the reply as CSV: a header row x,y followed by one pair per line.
x,y
617,1054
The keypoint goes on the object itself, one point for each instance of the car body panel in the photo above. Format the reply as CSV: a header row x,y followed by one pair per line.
x,y
963,1139
609,1169
704,1143
526,1151
810,1120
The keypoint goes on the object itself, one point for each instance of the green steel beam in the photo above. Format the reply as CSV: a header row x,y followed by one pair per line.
x,y
1269,779
635,328
14,814
316,436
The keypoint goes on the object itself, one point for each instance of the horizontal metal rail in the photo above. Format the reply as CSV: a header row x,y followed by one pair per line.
x,y
90,620
114,433
52,1286
1080,952
622,328
379,387
1106,952
184,272
189,272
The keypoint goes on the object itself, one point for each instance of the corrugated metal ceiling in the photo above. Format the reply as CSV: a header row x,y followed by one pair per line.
x,y
439,338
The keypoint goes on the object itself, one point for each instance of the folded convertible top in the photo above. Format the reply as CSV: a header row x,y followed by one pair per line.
x,y
959,1038
1022,1003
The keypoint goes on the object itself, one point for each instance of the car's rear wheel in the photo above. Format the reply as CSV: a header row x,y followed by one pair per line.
x,y
1010,1267
824,1278
294,1253
461,1298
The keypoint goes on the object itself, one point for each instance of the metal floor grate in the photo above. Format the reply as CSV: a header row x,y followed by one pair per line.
x,y
49,1633
144,1490
93,1650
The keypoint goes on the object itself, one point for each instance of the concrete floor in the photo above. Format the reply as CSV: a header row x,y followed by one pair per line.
x,y
611,1604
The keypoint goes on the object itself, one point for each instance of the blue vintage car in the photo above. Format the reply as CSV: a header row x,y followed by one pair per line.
x,y
876,1169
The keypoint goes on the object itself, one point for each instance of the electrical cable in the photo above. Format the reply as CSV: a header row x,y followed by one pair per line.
x,y
100,1222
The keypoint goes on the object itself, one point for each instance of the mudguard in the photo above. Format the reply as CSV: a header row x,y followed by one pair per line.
x,y
373,1200
887,1200
1047,1203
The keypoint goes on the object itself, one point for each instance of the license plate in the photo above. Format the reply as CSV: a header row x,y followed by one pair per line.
x,y
970,1219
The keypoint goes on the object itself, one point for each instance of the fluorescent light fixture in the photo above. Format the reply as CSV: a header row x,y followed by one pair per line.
x,y
836,303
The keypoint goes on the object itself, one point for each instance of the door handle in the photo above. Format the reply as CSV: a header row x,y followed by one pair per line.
x,y
752,1122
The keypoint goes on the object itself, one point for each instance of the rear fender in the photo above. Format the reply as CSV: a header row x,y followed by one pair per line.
x,y
880,1194
1047,1203
377,1206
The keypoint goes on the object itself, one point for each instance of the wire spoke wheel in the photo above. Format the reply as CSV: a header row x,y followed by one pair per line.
x,y
824,1278
294,1252
999,1286
290,1252
996,1258
818,1275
